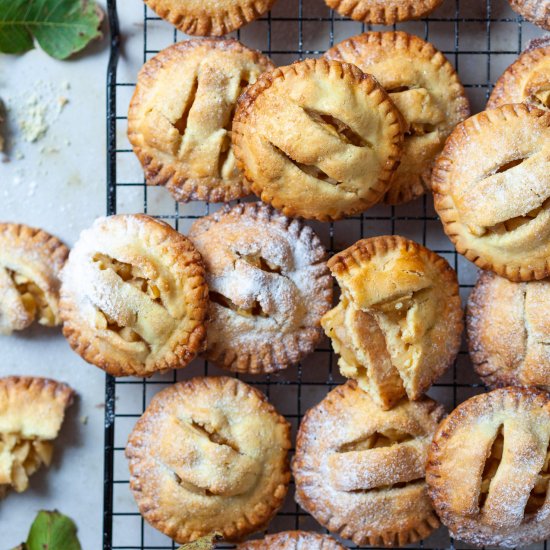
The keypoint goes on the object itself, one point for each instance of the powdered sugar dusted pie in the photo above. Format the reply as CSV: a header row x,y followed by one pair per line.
x,y
293,540
488,468
134,298
180,117
269,287
383,12
31,414
425,88
317,139
536,11
527,80
398,324
509,331
209,17
30,262
209,455
492,191
359,470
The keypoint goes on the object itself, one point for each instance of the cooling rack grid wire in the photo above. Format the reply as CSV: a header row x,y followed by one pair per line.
x,y
480,37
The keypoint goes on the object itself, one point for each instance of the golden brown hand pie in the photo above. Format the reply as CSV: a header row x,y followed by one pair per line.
x,y
424,87
209,17
31,414
359,470
491,189
527,80
509,331
536,11
209,455
383,12
180,117
269,287
30,262
398,324
293,540
488,468
134,297
317,139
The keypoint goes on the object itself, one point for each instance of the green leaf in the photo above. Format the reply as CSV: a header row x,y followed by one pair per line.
x,y
52,531
61,27
204,543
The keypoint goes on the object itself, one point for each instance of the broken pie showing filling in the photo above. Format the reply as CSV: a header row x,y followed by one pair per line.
x,y
509,331
134,297
527,80
30,263
209,455
269,287
180,117
491,189
317,139
488,468
398,324
31,414
425,88
359,470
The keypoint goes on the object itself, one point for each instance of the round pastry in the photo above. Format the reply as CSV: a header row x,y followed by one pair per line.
x,y
488,468
509,331
398,324
383,12
30,263
209,455
527,80
359,470
269,287
134,297
491,189
31,414
425,88
293,540
535,11
209,17
180,117
312,153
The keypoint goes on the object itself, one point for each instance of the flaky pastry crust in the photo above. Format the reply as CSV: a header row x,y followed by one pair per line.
x,y
315,154
527,80
488,468
31,413
180,117
134,297
359,470
398,324
425,88
536,11
509,331
293,540
30,262
269,287
491,189
209,17
209,455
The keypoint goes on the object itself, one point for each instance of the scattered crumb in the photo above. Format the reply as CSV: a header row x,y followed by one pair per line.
x,y
19,155
100,405
84,419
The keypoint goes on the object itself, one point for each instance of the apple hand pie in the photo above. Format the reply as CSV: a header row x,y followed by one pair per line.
x,y
535,11
509,331
398,324
180,117
425,88
317,139
269,287
31,414
30,262
293,540
489,466
492,191
359,470
134,297
209,455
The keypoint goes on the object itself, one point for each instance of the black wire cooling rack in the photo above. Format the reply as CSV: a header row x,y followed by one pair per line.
x,y
480,37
